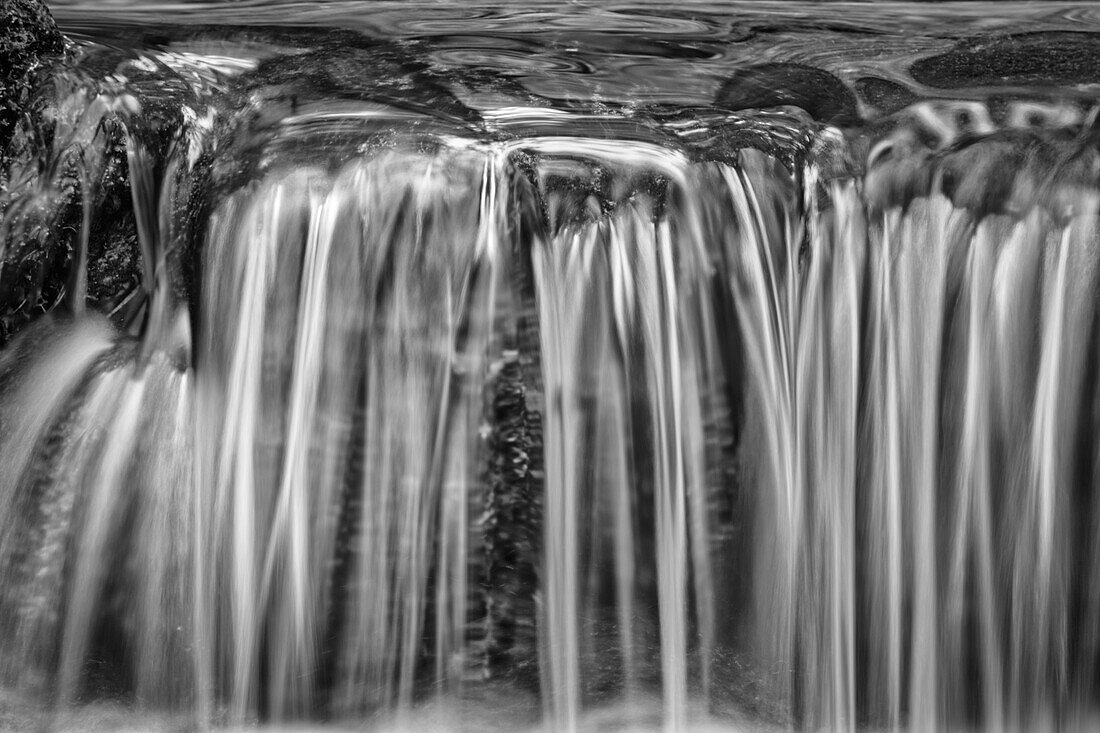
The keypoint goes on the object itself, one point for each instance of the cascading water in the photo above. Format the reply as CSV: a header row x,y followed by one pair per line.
x,y
381,387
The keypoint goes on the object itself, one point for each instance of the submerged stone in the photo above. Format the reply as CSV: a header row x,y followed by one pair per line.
x,y
884,95
822,95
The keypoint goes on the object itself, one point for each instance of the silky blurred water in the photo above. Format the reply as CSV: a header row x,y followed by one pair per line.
x,y
508,366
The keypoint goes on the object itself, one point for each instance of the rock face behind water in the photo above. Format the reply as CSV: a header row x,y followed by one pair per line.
x,y
27,35
28,38
48,170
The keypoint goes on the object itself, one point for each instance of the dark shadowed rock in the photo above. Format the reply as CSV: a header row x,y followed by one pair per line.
x,y
980,175
269,113
884,95
1026,59
511,525
822,95
27,34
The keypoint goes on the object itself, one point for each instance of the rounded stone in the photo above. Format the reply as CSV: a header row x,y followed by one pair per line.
x,y
821,94
27,33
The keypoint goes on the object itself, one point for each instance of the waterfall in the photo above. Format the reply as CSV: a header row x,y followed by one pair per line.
x,y
566,420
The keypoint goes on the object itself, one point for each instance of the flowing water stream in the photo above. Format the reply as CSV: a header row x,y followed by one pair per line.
x,y
420,366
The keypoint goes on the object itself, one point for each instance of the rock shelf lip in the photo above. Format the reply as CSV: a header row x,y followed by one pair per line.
x,y
841,62
704,79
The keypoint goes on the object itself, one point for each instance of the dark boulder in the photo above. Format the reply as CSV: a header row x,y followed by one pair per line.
x,y
28,34
822,95
1056,58
28,38
884,95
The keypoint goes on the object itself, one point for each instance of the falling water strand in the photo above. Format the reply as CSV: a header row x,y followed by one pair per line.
x,y
586,421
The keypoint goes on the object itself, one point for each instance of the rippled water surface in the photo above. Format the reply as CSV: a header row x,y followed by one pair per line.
x,y
630,53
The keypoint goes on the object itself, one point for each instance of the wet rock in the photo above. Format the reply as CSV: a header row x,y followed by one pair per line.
x,y
884,95
114,255
980,175
68,175
822,95
512,531
40,251
329,102
1009,171
1026,59
28,35
337,73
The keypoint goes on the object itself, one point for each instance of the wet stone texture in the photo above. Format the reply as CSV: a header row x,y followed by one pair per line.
x,y
512,530
28,36
52,179
884,95
1054,58
822,95
38,257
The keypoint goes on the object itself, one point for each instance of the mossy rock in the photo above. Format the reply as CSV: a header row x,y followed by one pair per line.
x,y
28,35
28,39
